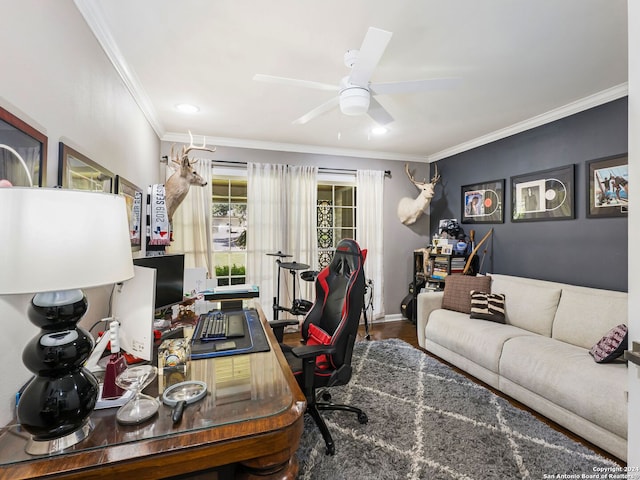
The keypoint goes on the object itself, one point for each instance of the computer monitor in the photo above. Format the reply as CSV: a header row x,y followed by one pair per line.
x,y
169,278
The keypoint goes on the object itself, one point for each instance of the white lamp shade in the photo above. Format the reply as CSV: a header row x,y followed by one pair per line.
x,y
55,239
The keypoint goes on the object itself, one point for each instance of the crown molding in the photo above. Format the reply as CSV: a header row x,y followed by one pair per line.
x,y
293,147
572,108
93,15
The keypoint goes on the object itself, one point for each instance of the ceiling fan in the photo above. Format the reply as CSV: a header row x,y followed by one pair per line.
x,y
356,92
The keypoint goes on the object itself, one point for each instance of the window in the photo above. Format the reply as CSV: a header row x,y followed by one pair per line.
x,y
229,228
336,218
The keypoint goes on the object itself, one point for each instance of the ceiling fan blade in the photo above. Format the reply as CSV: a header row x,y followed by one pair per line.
x,y
319,110
412,86
373,46
378,114
295,82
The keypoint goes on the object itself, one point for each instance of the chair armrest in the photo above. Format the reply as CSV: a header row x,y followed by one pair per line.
x,y
427,303
278,327
312,351
308,354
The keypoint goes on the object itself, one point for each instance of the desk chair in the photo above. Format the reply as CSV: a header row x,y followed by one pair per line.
x,y
329,332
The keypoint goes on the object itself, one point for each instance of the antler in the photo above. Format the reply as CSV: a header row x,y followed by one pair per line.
x,y
186,150
436,176
414,181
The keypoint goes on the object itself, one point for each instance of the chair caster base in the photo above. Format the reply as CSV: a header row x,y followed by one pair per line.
x,y
331,449
362,418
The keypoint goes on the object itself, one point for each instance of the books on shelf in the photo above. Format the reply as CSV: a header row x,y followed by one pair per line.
x,y
457,264
440,266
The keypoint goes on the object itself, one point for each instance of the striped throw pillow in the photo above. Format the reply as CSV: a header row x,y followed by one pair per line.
x,y
487,306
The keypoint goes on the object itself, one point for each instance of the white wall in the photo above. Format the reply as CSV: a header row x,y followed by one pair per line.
x,y
634,231
56,77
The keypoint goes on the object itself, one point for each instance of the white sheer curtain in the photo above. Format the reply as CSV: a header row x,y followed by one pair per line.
x,y
302,229
267,227
369,201
192,223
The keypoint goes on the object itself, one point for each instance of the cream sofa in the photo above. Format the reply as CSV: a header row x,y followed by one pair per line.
x,y
540,357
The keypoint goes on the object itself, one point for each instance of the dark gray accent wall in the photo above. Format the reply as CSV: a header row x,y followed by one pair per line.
x,y
582,251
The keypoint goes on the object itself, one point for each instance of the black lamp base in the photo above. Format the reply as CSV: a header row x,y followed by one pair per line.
x,y
56,405
47,447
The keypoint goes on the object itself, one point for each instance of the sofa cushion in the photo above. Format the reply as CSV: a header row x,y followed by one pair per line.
x,y
529,304
566,375
611,346
585,314
477,340
457,291
487,306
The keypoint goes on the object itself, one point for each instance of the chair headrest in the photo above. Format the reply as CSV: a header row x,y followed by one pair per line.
x,y
347,258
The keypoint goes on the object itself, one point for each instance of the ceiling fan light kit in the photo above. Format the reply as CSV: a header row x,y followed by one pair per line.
x,y
354,101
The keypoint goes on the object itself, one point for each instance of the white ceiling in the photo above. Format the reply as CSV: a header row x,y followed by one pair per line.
x,y
523,63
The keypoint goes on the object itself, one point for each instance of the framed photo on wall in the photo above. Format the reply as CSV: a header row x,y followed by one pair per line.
x,y
543,195
23,152
483,202
79,172
608,187
133,198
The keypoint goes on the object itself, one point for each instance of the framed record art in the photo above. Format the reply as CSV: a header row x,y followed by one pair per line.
x,y
483,202
608,187
543,195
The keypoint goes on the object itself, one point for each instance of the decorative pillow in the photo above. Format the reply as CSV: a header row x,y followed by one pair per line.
x,y
487,306
611,346
457,291
318,336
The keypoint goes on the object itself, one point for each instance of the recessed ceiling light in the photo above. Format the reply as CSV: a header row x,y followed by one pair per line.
x,y
379,130
187,108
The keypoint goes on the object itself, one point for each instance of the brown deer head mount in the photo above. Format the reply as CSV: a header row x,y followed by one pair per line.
x,y
410,209
177,185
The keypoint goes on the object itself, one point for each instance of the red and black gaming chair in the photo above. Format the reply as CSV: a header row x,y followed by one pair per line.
x,y
329,333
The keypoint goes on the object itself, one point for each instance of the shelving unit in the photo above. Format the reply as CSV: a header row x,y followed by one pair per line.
x,y
439,266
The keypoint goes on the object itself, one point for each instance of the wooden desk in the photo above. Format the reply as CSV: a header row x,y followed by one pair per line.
x,y
251,417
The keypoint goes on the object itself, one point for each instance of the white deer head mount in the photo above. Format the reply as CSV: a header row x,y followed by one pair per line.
x,y
177,185
410,209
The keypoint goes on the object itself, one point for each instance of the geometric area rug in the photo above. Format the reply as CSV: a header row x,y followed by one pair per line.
x,y
428,422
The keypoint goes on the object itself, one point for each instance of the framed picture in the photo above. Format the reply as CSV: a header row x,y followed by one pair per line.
x,y
483,202
544,195
79,172
23,152
608,187
133,198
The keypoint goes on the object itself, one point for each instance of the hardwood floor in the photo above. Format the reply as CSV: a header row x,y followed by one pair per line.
x,y
405,330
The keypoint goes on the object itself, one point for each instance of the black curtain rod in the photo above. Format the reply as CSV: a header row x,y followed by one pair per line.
x,y
322,169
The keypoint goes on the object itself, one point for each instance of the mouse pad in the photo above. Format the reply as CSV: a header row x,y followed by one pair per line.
x,y
254,339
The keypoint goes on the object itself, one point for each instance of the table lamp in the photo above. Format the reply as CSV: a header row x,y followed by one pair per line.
x,y
53,243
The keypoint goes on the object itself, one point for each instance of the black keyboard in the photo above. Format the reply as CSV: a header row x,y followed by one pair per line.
x,y
220,326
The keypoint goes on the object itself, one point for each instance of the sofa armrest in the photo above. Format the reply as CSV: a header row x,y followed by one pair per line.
x,y
427,303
